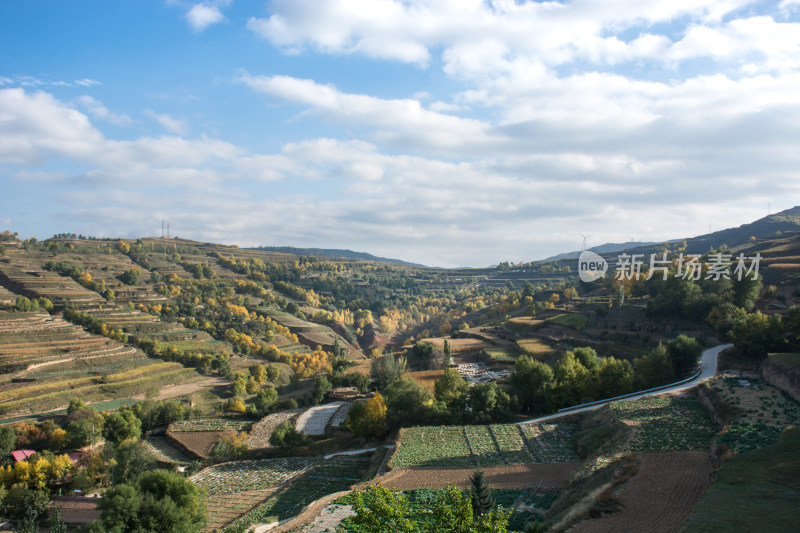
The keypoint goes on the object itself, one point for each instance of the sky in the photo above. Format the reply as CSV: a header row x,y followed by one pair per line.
x,y
448,133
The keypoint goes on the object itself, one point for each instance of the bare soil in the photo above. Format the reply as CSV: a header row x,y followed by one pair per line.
x,y
660,497
185,389
544,475
196,443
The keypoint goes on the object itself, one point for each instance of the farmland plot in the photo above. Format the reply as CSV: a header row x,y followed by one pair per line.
x,y
762,411
315,420
665,424
477,373
482,445
262,430
340,417
228,478
509,441
209,424
222,509
334,475
550,443
164,452
432,446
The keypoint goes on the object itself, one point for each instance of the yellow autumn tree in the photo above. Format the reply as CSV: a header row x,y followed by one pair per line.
x,y
368,418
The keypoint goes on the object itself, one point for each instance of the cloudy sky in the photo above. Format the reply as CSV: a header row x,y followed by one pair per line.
x,y
449,132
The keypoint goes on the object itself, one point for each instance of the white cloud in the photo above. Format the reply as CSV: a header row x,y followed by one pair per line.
x,y
6,221
408,31
201,16
396,121
86,82
170,123
97,110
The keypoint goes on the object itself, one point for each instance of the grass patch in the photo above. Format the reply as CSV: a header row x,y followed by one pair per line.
x,y
571,320
754,491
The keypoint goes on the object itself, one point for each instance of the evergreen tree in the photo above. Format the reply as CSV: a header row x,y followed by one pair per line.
x,y
55,524
482,501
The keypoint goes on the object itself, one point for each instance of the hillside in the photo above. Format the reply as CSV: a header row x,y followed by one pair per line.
x,y
334,253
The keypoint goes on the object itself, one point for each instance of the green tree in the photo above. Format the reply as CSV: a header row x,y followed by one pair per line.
x,y
259,373
756,334
571,378
387,369
745,291
321,389
588,357
482,501
22,502
684,351
614,378
405,400
265,399
159,501
76,404
654,369
121,425
379,510
55,523
82,430
8,443
451,389
286,436
533,382
453,513
488,403
132,458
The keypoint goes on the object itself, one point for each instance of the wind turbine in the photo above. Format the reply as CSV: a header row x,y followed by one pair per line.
x,y
584,239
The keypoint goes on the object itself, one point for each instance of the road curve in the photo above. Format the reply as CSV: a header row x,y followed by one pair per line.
x,y
708,369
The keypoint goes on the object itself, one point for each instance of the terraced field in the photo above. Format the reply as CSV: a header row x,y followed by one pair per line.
x,y
262,430
54,361
498,444
6,297
25,278
334,475
222,509
209,424
146,326
229,478
665,424
761,411
166,453
314,420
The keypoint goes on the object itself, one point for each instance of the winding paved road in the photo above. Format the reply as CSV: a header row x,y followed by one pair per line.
x,y
708,369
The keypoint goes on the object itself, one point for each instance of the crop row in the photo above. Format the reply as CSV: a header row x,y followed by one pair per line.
x,y
259,474
262,430
334,475
209,424
432,446
497,444
315,420
550,443
341,415
662,424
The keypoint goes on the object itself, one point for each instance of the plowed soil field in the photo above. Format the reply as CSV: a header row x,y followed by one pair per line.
x,y
660,497
544,475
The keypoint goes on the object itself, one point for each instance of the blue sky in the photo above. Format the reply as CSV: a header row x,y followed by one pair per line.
x,y
450,133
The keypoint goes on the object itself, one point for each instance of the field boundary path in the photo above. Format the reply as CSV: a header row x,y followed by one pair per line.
x,y
708,369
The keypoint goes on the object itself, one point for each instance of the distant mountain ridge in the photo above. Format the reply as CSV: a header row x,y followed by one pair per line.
x,y
769,226
334,253
787,220
608,248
